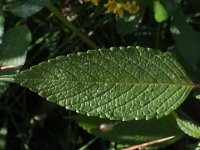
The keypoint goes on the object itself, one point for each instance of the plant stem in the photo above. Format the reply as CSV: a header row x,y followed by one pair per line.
x,y
70,25
149,143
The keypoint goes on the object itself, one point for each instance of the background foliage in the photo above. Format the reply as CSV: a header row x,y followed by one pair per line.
x,y
32,31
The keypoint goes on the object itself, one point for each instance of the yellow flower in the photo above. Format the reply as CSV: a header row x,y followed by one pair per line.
x,y
118,8
131,7
115,7
95,2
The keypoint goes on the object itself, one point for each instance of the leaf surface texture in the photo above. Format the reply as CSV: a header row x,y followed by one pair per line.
x,y
117,83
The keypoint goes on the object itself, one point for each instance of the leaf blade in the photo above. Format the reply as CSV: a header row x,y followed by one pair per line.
x,y
160,13
189,128
185,37
131,132
115,84
26,8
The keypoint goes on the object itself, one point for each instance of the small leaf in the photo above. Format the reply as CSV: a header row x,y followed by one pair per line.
x,y
189,128
15,43
25,8
186,39
132,132
13,51
117,83
160,13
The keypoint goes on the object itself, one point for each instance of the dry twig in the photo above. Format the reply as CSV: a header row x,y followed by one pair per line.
x,y
135,147
9,67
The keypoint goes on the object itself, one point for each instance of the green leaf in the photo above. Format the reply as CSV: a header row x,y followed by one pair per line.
x,y
160,13
15,43
132,132
186,39
25,8
13,50
117,83
189,128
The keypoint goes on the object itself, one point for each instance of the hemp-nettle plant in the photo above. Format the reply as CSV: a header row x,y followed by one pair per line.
x,y
52,90
122,83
